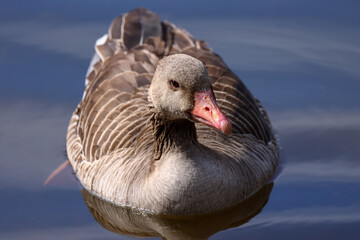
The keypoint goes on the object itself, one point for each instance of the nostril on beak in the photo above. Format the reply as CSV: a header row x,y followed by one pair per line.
x,y
207,109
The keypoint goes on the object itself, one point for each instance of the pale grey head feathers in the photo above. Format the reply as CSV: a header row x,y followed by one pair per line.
x,y
191,75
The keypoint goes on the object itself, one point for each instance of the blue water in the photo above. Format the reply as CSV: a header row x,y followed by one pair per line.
x,y
300,58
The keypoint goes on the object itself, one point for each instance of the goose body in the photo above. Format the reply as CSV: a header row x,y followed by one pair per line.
x,y
141,138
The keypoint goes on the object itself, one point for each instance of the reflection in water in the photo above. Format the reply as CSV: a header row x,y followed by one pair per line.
x,y
127,221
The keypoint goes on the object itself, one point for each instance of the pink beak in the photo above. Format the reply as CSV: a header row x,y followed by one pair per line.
x,y
207,111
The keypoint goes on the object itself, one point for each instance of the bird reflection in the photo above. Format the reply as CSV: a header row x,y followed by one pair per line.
x,y
126,221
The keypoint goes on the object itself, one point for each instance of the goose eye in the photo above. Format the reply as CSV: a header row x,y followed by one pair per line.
x,y
174,84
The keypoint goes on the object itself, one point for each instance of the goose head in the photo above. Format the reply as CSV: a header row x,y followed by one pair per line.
x,y
181,89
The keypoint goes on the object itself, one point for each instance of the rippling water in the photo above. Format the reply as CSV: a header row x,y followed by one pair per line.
x,y
301,59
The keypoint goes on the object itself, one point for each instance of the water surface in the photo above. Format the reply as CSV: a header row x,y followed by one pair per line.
x,y
299,58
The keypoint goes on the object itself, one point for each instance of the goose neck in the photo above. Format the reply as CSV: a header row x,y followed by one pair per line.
x,y
175,135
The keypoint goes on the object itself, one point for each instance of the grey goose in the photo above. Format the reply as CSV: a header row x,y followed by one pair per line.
x,y
165,126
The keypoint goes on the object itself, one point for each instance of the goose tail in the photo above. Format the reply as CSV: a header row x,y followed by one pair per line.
x,y
126,32
135,27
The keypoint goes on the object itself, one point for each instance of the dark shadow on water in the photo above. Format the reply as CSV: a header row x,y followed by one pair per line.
x,y
130,222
